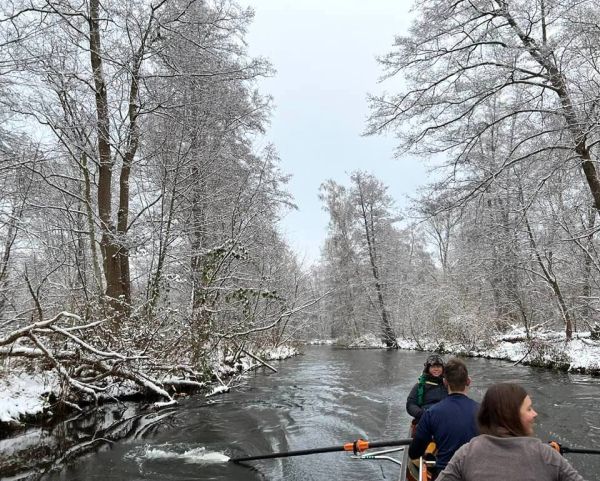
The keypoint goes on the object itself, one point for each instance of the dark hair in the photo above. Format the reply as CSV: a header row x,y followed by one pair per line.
x,y
499,414
456,374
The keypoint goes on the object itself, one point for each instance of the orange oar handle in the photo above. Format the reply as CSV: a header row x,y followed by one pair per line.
x,y
357,446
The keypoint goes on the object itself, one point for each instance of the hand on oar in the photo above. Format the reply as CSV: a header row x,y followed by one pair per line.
x,y
565,449
356,447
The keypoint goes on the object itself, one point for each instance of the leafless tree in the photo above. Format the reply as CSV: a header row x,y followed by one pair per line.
x,y
533,62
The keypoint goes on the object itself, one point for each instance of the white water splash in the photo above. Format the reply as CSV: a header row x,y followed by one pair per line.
x,y
191,456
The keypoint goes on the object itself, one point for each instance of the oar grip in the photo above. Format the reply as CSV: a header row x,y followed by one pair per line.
x,y
565,449
556,445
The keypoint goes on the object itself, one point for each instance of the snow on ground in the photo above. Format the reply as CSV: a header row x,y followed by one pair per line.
x,y
280,352
320,342
581,354
367,341
25,395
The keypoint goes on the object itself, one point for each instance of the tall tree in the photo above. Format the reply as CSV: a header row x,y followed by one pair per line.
x,y
340,264
374,210
361,219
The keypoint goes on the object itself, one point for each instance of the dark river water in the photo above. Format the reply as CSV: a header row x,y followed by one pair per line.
x,y
325,397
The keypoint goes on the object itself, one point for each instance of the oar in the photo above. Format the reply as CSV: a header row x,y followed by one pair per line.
x,y
565,449
356,447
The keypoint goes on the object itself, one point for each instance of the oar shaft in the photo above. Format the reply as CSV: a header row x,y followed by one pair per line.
x,y
397,442
286,454
578,450
329,449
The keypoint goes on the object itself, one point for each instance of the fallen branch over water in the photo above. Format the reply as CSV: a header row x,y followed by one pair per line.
x,y
83,362
93,365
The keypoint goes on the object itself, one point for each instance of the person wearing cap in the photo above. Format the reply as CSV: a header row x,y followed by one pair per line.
x,y
452,422
429,390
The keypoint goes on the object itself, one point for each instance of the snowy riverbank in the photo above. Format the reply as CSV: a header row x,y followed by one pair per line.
x,y
547,349
27,397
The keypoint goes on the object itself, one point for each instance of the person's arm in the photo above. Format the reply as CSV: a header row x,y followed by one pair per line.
x,y
422,437
411,403
566,472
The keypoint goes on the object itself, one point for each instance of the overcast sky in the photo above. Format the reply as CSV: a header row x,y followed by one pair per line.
x,y
324,53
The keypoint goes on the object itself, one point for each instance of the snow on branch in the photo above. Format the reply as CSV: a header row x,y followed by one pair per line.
x,y
85,367
284,315
36,325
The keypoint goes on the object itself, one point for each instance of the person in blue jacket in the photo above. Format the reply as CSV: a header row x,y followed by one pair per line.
x,y
429,390
450,423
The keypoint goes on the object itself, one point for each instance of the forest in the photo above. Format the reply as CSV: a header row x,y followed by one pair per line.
x,y
139,210
500,96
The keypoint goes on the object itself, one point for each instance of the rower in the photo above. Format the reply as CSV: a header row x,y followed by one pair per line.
x,y
428,390
451,422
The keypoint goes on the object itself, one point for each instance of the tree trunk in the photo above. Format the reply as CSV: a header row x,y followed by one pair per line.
x,y
551,280
91,226
133,137
108,242
587,264
388,334
544,56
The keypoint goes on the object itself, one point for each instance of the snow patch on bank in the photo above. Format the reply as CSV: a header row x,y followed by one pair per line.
x,y
368,341
25,395
580,354
549,348
280,352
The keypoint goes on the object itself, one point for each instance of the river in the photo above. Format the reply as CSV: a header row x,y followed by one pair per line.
x,y
325,397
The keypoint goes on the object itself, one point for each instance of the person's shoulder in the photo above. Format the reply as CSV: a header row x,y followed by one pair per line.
x,y
439,407
460,398
464,399
528,444
482,442
469,446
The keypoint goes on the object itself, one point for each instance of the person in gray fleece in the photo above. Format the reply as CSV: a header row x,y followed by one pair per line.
x,y
506,448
